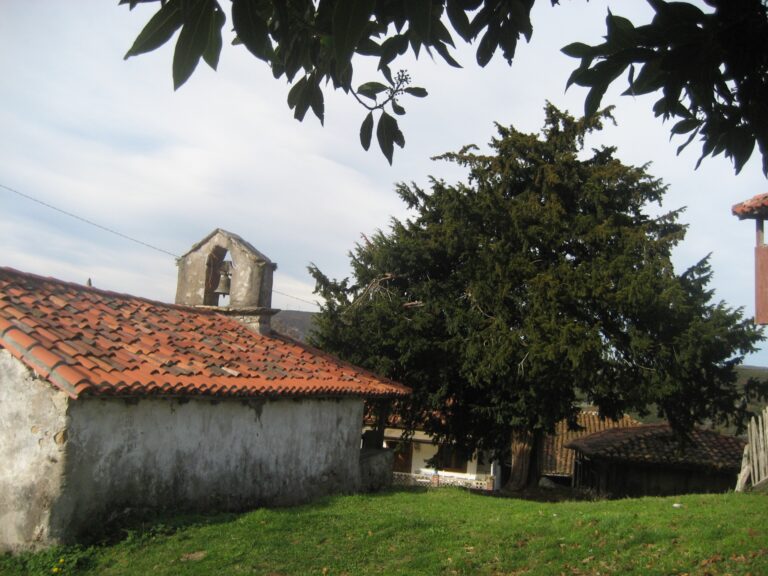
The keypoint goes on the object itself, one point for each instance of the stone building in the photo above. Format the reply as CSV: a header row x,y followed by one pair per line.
x,y
110,401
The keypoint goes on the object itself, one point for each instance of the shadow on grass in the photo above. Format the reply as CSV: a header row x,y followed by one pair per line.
x,y
143,524
140,526
547,495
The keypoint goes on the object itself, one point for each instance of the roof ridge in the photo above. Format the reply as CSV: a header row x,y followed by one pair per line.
x,y
105,292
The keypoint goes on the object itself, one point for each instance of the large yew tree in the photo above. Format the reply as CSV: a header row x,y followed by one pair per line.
x,y
540,283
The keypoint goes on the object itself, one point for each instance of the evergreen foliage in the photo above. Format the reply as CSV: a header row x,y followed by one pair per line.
x,y
539,283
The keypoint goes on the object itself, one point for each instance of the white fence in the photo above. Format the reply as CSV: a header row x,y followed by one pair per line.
x,y
436,480
754,465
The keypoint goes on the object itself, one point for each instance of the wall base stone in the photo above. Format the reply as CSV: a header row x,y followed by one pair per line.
x,y
375,469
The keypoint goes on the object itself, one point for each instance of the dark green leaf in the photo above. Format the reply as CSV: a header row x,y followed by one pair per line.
x,y
649,79
388,134
368,47
397,109
607,71
366,130
621,32
192,40
158,30
470,5
399,138
594,97
213,46
480,21
520,19
508,41
316,101
299,98
688,141
683,11
459,20
349,20
706,149
740,148
294,57
387,73
419,14
370,89
416,91
440,34
443,51
391,47
660,107
487,46
685,126
251,28
577,76
577,50
415,42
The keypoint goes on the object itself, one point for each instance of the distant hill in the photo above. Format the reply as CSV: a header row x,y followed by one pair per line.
x,y
745,373
294,324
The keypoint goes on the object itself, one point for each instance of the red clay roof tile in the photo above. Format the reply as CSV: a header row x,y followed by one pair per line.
x,y
44,361
18,340
657,444
93,342
755,207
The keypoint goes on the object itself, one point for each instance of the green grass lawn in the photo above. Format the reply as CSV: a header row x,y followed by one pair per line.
x,y
445,531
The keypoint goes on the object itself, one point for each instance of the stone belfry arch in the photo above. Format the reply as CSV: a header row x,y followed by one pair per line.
x,y
220,255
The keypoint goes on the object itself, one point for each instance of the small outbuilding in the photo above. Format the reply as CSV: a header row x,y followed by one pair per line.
x,y
652,460
110,401
556,460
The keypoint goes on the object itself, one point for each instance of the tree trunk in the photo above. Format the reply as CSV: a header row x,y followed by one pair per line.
x,y
374,438
523,444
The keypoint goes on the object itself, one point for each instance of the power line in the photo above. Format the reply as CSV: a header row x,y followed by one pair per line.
x,y
125,236
90,222
294,297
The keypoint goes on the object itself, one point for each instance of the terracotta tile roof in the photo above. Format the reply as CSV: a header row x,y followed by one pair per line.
x,y
97,343
755,207
657,444
555,458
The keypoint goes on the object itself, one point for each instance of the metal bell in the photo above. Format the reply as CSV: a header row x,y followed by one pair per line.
x,y
223,285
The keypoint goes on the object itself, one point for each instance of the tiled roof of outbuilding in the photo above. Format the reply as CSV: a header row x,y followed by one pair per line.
x,y
555,458
657,444
755,207
93,342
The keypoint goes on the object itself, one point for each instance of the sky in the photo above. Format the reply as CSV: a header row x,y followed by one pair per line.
x,y
111,142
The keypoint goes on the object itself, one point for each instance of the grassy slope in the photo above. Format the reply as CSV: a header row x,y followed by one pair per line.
x,y
444,531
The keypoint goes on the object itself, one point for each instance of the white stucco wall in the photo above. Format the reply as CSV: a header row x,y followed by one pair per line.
x,y
32,451
203,454
423,449
67,465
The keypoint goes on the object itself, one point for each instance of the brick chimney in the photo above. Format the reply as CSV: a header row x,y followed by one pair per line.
x,y
756,208
224,266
